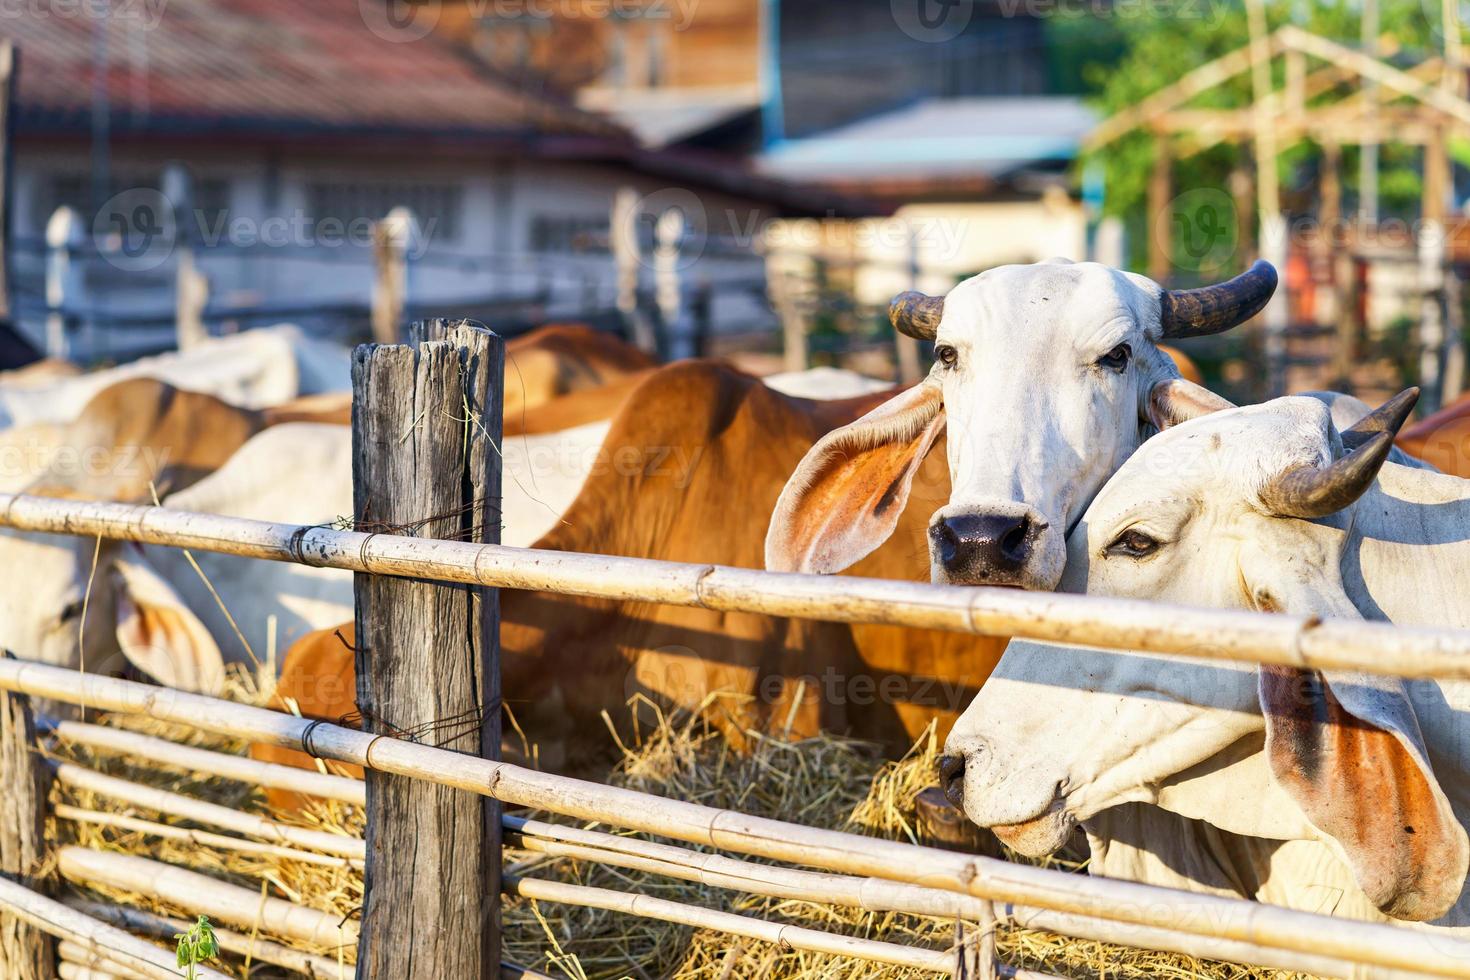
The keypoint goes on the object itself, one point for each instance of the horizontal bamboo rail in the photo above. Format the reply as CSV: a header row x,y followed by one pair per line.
x,y
202,838
92,961
795,937
239,768
259,950
217,899
1145,905
877,895
1125,624
162,801
66,923
68,970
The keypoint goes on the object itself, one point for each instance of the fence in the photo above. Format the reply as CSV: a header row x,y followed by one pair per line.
x,y
426,422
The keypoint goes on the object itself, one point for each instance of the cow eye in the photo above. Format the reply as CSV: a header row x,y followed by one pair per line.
x,y
1117,358
72,610
1133,543
946,355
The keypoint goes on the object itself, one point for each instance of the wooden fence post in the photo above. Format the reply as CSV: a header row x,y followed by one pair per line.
x,y
426,429
26,953
392,241
64,235
191,287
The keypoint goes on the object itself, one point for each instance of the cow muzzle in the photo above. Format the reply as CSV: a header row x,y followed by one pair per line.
x,y
1008,545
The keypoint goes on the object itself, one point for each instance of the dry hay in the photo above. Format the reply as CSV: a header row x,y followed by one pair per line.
x,y
828,782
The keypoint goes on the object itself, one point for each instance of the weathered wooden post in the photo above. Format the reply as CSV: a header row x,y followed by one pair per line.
x,y
392,242
426,426
627,253
191,287
26,953
64,235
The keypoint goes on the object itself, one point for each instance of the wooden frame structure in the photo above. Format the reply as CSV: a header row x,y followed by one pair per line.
x,y
1333,95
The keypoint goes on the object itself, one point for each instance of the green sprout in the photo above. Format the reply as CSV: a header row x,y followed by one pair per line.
x,y
196,946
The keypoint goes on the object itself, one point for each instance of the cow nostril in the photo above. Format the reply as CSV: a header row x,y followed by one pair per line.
x,y
1013,544
952,778
947,540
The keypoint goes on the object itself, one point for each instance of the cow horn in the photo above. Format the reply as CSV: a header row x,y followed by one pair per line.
x,y
1388,417
1316,491
916,314
1215,309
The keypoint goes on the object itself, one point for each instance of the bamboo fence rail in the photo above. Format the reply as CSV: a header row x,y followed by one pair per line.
x,y
878,895
212,897
260,950
199,837
795,937
162,801
108,941
1301,641
268,774
1369,943
89,959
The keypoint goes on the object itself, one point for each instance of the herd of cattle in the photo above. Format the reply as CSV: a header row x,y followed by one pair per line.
x,y
1056,444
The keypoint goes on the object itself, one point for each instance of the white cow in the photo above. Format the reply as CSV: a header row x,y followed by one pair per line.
x,y
253,369
1041,375
1350,792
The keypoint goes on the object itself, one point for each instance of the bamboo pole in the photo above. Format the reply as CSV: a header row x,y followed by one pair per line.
x,y
67,970
67,923
200,837
209,896
268,774
90,959
200,811
877,895
1125,624
793,937
259,950
1146,905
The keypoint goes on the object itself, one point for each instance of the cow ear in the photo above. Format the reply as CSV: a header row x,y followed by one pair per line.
x,y
160,635
1176,400
1347,748
846,496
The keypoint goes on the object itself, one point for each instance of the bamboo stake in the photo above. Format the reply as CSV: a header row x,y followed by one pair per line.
x,y
793,937
261,950
268,774
90,959
201,837
216,899
1126,624
1204,915
877,895
70,971
189,808
67,923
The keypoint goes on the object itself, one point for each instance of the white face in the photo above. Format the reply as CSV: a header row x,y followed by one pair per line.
x,y
41,606
1057,734
1043,370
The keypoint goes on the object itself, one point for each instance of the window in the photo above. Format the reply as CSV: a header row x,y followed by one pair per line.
x,y
568,233
436,207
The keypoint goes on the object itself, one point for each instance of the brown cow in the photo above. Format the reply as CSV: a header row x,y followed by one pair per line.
x,y
1442,439
559,359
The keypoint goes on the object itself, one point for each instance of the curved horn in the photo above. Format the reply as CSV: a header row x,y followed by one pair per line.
x,y
1217,308
1316,491
916,314
1388,417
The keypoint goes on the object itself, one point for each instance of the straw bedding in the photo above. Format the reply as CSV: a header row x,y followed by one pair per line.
x,y
826,782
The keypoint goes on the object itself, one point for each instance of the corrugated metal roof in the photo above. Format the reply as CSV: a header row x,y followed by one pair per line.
x,y
259,65
939,138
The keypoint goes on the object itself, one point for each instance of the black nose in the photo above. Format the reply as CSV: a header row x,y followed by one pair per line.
x,y
987,547
952,778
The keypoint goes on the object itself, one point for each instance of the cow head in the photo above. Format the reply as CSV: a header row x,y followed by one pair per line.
x,y
1041,373
1244,509
76,603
